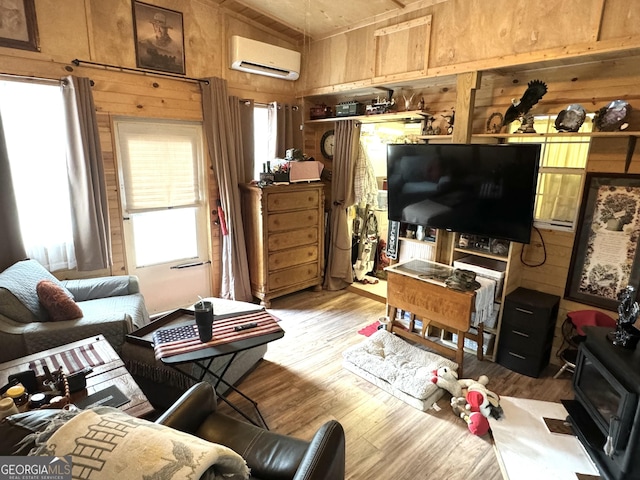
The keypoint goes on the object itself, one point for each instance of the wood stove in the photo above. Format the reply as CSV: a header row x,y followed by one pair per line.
x,y
605,413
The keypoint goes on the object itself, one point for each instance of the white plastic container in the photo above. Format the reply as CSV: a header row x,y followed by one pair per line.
x,y
7,407
484,267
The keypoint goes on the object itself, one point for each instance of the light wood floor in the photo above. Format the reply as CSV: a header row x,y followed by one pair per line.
x,y
301,383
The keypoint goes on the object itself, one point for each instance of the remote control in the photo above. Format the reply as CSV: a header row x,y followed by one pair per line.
x,y
245,326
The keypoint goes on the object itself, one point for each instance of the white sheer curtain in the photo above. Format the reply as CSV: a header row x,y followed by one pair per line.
x,y
34,129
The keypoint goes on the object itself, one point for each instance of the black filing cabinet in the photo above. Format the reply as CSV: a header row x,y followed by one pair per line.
x,y
526,334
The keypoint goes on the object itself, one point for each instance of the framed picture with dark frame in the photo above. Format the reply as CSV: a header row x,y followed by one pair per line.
x,y
18,25
605,258
159,37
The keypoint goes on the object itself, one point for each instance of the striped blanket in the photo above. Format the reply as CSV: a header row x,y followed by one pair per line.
x,y
184,339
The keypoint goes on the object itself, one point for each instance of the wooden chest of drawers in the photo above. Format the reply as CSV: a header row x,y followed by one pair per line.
x,y
284,230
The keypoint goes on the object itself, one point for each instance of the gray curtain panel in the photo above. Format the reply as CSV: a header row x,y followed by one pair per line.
x,y
11,246
284,126
224,141
339,271
87,187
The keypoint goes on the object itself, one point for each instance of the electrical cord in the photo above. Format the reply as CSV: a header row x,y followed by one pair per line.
x,y
544,250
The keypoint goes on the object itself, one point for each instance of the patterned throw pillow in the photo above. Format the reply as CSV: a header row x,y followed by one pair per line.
x,y
56,302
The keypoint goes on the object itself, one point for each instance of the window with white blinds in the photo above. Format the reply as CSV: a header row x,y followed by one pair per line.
x,y
159,164
561,175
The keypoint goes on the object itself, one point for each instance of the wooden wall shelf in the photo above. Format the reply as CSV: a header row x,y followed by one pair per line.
x,y
407,116
558,134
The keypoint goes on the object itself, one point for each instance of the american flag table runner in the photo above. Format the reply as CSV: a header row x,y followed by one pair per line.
x,y
72,360
177,340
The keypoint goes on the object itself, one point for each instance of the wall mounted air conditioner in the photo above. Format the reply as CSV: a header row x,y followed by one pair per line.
x,y
264,59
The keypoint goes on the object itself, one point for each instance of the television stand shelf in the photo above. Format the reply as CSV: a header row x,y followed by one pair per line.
x,y
506,268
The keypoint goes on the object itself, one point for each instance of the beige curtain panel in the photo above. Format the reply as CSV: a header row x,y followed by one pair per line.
x,y
224,141
11,247
339,270
285,122
89,204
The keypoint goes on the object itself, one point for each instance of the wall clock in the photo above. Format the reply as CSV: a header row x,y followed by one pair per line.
x,y
326,144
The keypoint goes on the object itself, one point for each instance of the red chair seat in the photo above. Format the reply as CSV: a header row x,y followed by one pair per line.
x,y
590,318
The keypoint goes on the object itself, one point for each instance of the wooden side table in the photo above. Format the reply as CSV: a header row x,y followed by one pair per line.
x,y
431,301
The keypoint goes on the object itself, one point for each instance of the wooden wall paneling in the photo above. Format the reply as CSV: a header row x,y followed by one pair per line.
x,y
634,166
204,42
110,33
358,54
467,85
148,106
474,32
215,230
607,154
63,29
316,71
42,67
620,18
339,60
558,246
110,165
402,50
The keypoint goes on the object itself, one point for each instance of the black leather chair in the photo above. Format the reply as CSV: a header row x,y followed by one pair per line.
x,y
270,456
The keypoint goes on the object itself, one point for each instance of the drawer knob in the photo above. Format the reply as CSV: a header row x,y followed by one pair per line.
x,y
522,334
522,310
517,356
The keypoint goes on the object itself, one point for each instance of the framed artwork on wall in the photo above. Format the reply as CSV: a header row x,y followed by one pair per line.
x,y
18,25
159,37
606,254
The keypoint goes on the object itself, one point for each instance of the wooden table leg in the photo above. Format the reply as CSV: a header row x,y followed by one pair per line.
x,y
480,342
391,312
460,353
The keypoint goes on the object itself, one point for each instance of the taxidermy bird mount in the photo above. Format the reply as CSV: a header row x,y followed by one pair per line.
x,y
532,95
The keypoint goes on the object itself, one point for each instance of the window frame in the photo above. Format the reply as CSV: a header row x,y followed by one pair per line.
x,y
547,140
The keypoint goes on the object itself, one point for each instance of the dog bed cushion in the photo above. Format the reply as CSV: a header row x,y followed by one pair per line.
x,y
392,361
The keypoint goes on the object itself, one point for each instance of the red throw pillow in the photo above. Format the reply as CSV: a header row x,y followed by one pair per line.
x,y
56,302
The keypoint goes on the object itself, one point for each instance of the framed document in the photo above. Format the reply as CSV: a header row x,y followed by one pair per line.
x,y
605,256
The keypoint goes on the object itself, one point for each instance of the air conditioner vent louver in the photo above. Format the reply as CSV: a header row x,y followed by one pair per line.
x,y
254,66
261,58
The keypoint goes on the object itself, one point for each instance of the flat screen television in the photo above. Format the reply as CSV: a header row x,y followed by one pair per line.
x,y
478,189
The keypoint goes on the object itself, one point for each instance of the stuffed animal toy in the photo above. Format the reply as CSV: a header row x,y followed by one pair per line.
x,y
471,400
481,399
446,378
476,422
